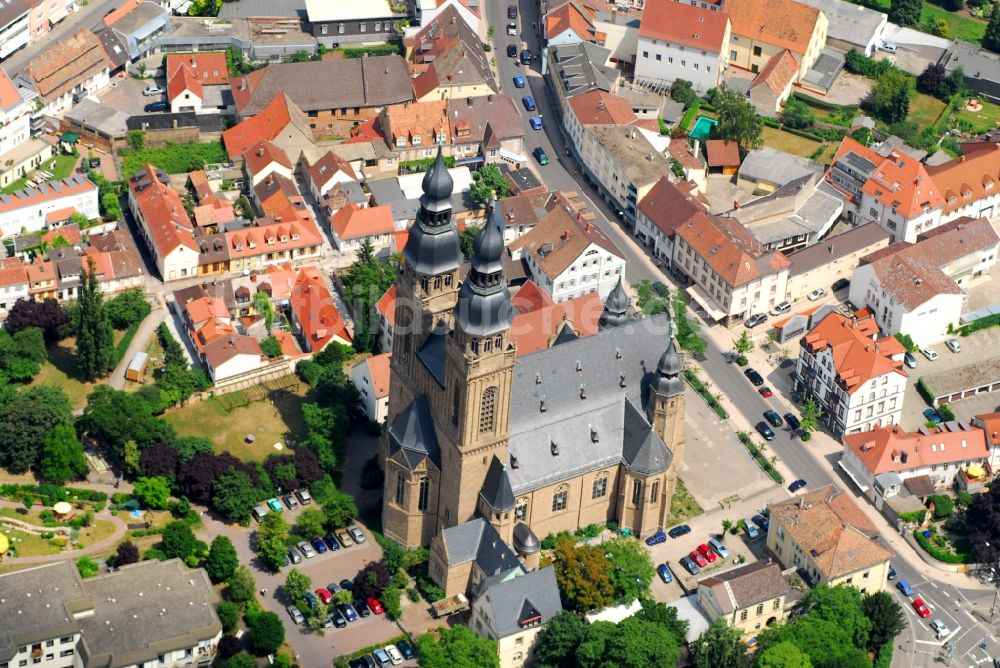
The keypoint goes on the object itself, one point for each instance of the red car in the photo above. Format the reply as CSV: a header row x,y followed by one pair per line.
x,y
921,607
324,595
698,558
375,606
707,553
765,391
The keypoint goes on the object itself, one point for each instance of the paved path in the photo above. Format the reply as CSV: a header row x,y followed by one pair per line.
x,y
139,342
99,546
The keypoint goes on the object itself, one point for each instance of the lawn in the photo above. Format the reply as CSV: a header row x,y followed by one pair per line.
x,y
789,143
63,167
924,110
30,545
270,421
96,532
683,506
960,24
62,371
174,158
985,119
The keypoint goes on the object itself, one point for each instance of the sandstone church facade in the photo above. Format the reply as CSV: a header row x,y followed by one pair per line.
x,y
586,431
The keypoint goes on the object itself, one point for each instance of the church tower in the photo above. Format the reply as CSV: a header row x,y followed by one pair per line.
x,y
666,411
478,371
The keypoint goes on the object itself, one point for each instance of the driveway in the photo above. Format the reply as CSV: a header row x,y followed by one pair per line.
x,y
847,89
125,95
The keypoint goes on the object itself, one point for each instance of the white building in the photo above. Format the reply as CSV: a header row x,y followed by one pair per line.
x,y
163,224
855,376
28,210
665,208
14,29
371,379
680,41
15,117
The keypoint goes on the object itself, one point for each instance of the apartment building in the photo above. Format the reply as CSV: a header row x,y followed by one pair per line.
x,y
447,60
855,375
14,26
34,209
371,379
667,206
750,598
763,29
682,41
336,24
163,223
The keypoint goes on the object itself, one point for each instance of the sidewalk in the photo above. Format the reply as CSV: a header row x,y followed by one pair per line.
x,y
142,335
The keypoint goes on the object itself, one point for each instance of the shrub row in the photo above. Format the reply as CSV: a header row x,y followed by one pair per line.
x,y
773,123
122,346
759,457
689,115
585,533
981,323
52,494
819,104
940,553
700,388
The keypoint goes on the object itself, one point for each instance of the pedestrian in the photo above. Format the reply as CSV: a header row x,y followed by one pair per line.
x,y
263,591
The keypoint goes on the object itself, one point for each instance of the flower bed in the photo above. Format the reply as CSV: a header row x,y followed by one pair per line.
x,y
939,547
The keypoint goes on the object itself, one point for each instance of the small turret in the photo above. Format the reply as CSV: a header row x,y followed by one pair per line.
x,y
615,307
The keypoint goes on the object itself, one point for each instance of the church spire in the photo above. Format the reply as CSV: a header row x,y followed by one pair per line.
x,y
484,306
433,246
615,307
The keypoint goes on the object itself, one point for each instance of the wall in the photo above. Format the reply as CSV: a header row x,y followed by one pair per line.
x,y
742,49
827,274
457,92
32,216
660,62
595,269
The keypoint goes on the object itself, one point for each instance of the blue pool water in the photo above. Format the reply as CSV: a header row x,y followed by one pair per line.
x,y
703,127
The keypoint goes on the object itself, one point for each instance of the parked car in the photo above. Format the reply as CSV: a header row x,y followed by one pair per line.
x,y
764,430
679,530
929,353
888,47
921,608
296,614
319,545
765,392
306,549
394,655
754,377
690,565
792,421
932,415
347,584
334,587
512,29
910,360
362,608
940,628
892,573
350,614
707,552
783,307
535,122
659,537
305,498
355,533
698,558
274,505
153,90
343,537
512,12
406,649
796,485
541,156
519,81
338,619
773,418
512,50
761,521
525,57
840,284
381,658
905,588
291,502
818,293
664,573
310,599
752,531
754,320
375,606
719,548
295,557
953,345
156,106
331,542
324,595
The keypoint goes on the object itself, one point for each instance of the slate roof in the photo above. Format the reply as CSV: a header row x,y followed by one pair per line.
x,y
836,246
747,586
579,68
496,488
773,166
477,540
412,435
527,600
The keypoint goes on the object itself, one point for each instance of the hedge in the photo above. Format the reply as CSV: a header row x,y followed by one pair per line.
x,y
122,346
924,391
758,457
689,115
884,659
980,323
820,104
52,494
700,388
772,123
940,553
389,49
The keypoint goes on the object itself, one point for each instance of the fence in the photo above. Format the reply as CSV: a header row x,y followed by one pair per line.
x,y
251,381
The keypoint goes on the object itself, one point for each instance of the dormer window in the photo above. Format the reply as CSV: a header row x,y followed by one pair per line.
x,y
295,236
400,142
270,241
252,244
239,247
284,238
415,140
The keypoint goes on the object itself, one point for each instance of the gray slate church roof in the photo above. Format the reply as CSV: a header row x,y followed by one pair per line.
x,y
532,599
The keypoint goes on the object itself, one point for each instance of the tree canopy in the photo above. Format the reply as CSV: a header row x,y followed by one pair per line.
x,y
153,493
488,183
177,540
62,456
905,12
234,495
266,633
720,645
95,344
738,120
46,314
991,40
222,559
456,646
582,574
891,96
28,420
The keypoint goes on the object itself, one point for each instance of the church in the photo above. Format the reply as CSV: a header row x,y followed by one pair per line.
x,y
486,445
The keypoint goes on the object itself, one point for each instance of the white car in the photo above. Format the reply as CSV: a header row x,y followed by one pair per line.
x,y
888,47
153,90
394,655
953,345
818,293
783,307
306,549
512,29
940,628
929,353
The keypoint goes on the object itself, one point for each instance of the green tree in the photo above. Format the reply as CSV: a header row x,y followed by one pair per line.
x,y
991,40
797,114
153,493
488,183
310,523
891,96
115,417
242,587
632,643
222,559
272,540
62,456
271,347
88,567
738,120
783,655
467,238
582,573
744,344
128,308
229,615
905,12
558,640
95,345
296,584
177,540
234,495
28,419
136,139
262,307
886,616
683,92
720,645
241,660
664,616
629,561
456,646
811,414
339,509
343,596
266,633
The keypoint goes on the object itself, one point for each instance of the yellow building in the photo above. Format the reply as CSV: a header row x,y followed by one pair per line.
x,y
749,597
825,535
762,29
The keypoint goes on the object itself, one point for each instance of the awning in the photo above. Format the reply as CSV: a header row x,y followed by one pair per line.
x,y
69,138
471,160
850,474
706,302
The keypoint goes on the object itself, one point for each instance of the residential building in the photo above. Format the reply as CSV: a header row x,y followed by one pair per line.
x,y
575,69
163,223
44,14
277,196
980,67
852,26
969,185
71,70
595,107
339,24
335,95
221,348
34,209
185,92
371,380
821,265
15,116
732,274
137,24
570,23
487,129
263,159
425,11
767,169
750,598
773,84
15,32
682,41
919,289
664,208
829,540
281,122
210,69
568,256
511,612
116,260
447,60
316,321
881,460
351,226
323,173
413,130
762,29
625,165
456,392
271,243
855,376
148,613
386,309
990,424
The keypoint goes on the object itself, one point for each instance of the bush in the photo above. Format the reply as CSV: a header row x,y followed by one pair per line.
x,y
88,567
907,341
371,475
942,554
174,158
946,413
856,63
388,49
981,323
913,517
229,615
391,602
943,506
430,590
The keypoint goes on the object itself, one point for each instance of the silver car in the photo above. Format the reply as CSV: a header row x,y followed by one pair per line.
x,y
940,628
306,549
356,534
296,614
953,345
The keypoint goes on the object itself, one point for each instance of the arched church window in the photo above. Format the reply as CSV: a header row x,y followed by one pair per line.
x,y
487,410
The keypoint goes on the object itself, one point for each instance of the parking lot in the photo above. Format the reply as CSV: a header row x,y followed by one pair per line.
x,y
126,96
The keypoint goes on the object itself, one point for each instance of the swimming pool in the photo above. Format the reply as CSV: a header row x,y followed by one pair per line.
x,y
703,127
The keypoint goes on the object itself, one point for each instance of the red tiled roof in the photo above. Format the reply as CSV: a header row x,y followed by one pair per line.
x,y
378,370
328,165
530,298
268,124
570,16
598,107
352,222
667,206
184,80
315,310
271,238
224,348
386,305
263,153
722,153
163,211
967,178
778,73
858,356
729,249
119,12
898,181
9,97
211,69
536,329
70,233
881,449
787,24
69,62
566,235
681,23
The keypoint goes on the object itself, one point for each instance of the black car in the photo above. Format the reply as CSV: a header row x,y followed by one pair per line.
x,y
338,619
892,573
792,421
406,649
797,485
679,530
512,12
765,431
156,106
773,418
754,320
362,607
754,377
841,284
689,564
526,57
512,50
346,584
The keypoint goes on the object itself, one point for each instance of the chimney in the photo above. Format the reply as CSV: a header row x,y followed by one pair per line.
x,y
904,456
736,204
260,151
961,159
